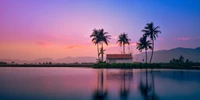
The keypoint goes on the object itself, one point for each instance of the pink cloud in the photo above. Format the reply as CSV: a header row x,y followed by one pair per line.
x,y
71,47
114,37
160,39
79,46
133,43
183,38
198,37
43,43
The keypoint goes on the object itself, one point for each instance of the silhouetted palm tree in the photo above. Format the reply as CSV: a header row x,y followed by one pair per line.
x,y
152,32
122,40
144,44
96,39
104,38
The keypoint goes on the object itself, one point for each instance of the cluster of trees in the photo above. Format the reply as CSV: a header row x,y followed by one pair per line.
x,y
3,63
150,32
99,37
181,60
46,63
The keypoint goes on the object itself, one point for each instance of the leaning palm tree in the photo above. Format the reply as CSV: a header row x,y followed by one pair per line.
x,y
122,40
104,38
96,39
144,44
152,32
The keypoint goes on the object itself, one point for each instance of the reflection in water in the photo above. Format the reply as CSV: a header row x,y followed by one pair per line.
x,y
125,83
100,93
109,84
147,90
124,78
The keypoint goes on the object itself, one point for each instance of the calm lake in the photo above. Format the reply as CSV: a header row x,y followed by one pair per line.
x,y
98,84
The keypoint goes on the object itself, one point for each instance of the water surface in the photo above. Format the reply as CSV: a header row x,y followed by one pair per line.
x,y
98,84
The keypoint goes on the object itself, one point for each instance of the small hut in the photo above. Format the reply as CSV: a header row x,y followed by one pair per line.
x,y
119,58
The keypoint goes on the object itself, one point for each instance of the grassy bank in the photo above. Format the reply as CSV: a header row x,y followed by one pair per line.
x,y
46,65
146,65
115,65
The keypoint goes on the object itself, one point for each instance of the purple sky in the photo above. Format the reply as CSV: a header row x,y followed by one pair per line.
x,y
31,29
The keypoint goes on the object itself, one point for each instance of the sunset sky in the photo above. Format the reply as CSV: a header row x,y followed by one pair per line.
x,y
31,29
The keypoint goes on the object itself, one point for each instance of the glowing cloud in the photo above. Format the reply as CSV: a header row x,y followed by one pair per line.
x,y
183,38
43,43
79,46
161,39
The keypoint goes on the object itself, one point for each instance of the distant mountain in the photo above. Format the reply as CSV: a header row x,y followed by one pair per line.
x,y
75,59
159,56
15,61
167,55
42,60
47,59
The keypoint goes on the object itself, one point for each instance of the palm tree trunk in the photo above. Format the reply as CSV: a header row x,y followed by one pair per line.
x,y
146,55
152,51
123,48
102,52
98,50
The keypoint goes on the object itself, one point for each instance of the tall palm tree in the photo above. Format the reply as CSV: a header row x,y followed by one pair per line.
x,y
122,40
152,32
104,38
96,39
144,44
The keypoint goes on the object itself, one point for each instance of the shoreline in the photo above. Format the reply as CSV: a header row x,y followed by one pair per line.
x,y
48,65
161,66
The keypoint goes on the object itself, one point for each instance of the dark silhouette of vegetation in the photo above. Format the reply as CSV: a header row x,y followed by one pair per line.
x,y
3,63
123,40
101,52
126,65
104,39
148,65
100,37
96,39
144,44
12,62
151,32
181,60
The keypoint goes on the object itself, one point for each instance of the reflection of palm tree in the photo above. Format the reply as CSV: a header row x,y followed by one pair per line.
x,y
154,96
123,39
151,32
100,93
124,91
148,90
144,44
